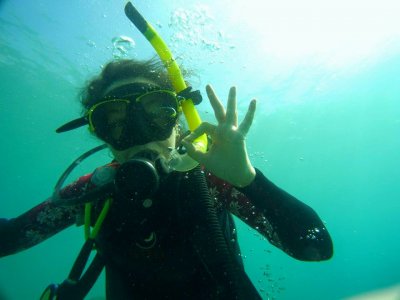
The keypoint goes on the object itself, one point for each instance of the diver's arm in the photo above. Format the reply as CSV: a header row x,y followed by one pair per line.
x,y
289,224
42,221
294,226
34,226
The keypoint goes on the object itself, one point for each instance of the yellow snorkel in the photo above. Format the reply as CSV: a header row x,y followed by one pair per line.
x,y
175,75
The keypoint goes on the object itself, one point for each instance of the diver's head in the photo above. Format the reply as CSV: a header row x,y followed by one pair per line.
x,y
131,106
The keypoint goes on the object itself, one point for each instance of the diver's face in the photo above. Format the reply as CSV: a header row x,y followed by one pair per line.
x,y
115,118
162,147
116,113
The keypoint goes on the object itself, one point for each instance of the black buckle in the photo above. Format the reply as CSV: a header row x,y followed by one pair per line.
x,y
195,96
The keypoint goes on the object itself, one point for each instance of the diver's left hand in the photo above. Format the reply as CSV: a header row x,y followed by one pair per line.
x,y
227,156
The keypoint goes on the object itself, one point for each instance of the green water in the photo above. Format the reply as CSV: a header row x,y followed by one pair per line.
x,y
329,133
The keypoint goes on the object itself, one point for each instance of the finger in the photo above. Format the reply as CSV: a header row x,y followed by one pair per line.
x,y
244,127
219,110
231,112
204,128
193,152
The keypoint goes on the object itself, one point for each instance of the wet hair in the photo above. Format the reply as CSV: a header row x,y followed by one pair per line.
x,y
116,70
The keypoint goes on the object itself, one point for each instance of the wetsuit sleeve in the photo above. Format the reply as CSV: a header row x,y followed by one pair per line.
x,y
285,221
40,223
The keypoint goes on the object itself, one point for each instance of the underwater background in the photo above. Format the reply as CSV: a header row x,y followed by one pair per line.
x,y
327,78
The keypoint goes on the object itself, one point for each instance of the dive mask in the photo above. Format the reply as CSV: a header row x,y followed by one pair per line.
x,y
133,114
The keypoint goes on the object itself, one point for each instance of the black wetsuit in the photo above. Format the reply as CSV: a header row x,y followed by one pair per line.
x,y
155,251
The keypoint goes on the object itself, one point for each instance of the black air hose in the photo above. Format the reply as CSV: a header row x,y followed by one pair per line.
x,y
208,239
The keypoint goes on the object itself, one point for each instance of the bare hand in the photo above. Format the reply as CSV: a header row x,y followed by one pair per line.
x,y
227,156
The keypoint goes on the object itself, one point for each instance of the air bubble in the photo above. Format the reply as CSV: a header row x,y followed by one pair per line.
x,y
91,43
122,45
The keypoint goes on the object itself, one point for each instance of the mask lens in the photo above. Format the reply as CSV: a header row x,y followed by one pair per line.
x,y
108,118
161,106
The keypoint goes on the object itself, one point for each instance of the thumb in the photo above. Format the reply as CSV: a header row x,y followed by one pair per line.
x,y
193,152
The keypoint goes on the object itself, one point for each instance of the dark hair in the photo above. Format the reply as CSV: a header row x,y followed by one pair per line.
x,y
152,69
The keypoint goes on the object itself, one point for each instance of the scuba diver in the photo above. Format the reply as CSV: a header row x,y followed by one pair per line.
x,y
160,214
